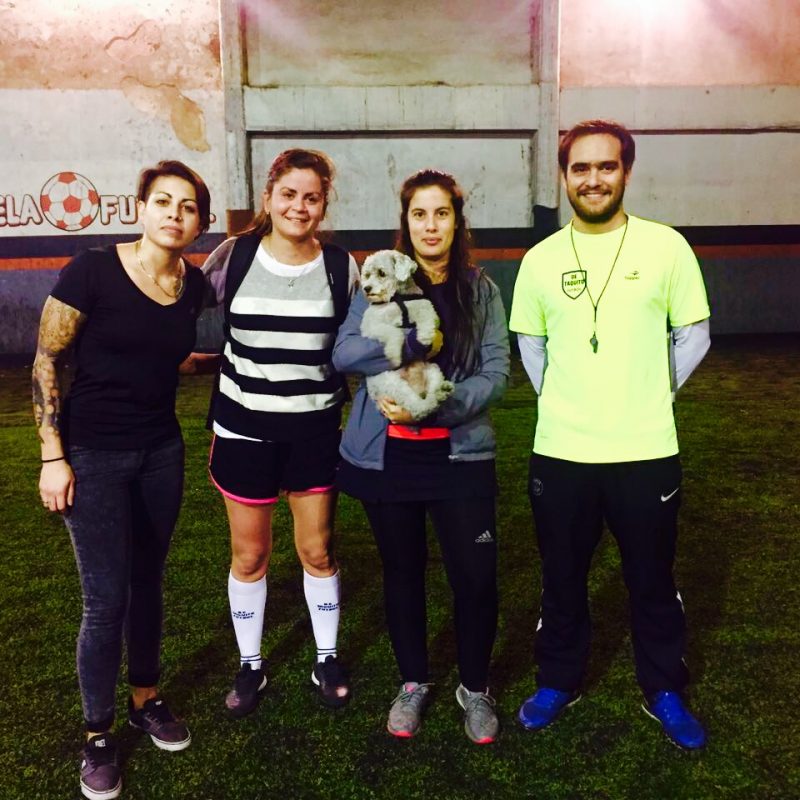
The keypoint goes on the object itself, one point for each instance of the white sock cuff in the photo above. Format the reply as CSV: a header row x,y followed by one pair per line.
x,y
247,587
313,580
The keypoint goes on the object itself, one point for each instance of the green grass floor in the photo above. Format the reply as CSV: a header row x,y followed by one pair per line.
x,y
739,550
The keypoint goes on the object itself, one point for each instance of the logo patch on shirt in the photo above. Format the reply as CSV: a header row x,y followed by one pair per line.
x,y
633,276
573,284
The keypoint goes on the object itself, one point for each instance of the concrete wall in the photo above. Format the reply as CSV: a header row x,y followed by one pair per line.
x,y
388,43
98,89
711,89
680,43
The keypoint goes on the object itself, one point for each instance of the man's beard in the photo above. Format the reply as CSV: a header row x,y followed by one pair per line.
x,y
600,216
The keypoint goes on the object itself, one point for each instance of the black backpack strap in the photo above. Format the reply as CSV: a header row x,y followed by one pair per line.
x,y
244,251
337,268
242,255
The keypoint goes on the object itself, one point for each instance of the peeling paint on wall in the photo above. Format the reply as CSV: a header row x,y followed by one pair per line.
x,y
167,103
154,52
93,45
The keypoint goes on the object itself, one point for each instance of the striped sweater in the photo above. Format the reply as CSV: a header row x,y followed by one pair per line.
x,y
276,379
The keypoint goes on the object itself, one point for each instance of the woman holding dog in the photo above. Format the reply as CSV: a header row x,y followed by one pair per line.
x,y
276,410
112,452
443,467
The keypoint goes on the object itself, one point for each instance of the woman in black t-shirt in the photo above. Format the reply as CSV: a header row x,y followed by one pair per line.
x,y
112,452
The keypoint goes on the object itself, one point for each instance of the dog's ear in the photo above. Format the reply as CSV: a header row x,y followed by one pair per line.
x,y
404,267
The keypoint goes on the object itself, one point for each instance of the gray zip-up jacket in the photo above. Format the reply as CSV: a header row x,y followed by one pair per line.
x,y
465,412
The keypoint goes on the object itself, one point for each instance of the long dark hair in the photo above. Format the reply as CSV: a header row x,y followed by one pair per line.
x,y
460,287
296,158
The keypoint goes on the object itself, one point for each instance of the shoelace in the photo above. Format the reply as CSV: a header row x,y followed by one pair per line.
x,y
672,709
157,712
99,756
478,698
414,697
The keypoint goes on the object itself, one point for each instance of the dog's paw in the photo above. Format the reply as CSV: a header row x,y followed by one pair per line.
x,y
444,390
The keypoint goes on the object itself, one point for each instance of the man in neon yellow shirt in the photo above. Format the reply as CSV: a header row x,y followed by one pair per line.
x,y
612,317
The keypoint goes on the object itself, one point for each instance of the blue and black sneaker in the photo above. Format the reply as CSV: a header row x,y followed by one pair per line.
x,y
679,725
542,708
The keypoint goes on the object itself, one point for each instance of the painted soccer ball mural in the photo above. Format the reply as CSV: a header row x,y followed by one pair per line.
x,y
69,201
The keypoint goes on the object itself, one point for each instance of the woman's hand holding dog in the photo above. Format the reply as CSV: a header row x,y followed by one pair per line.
x,y
394,412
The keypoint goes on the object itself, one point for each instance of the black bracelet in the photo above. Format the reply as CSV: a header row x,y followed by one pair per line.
x,y
51,460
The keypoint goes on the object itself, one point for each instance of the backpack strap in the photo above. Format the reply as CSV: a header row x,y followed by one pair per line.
x,y
337,269
242,255
244,251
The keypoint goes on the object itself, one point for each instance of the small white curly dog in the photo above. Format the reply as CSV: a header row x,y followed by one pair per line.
x,y
396,302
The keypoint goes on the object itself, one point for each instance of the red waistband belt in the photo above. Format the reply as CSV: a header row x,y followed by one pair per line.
x,y
414,432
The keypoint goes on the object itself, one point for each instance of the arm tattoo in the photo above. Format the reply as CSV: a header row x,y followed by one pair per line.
x,y
57,331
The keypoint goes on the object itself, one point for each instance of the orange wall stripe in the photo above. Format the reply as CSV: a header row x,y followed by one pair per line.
x,y
56,262
479,254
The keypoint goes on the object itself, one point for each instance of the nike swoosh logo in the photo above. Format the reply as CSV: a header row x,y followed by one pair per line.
x,y
666,497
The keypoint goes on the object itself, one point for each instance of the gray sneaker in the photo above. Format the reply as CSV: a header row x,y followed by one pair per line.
x,y
480,719
100,777
405,714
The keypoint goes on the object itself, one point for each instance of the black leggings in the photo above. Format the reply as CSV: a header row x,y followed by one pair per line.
x,y
468,540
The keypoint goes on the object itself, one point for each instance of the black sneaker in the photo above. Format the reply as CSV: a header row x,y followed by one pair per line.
x,y
246,692
100,777
156,720
331,681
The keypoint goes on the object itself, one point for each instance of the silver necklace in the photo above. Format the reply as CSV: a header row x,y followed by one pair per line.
x,y
178,280
593,341
304,271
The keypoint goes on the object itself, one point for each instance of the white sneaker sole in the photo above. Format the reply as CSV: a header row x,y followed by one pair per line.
x,y
108,794
173,747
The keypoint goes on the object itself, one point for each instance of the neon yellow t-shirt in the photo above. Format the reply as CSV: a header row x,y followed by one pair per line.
x,y
616,404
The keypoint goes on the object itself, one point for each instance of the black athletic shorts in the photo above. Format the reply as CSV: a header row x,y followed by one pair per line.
x,y
256,472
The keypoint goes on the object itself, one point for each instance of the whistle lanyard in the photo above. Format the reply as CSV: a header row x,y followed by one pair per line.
x,y
593,341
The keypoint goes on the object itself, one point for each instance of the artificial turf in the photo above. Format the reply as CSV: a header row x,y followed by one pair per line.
x,y
737,557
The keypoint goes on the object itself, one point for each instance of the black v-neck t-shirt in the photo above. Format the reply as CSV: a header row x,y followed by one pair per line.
x,y
126,354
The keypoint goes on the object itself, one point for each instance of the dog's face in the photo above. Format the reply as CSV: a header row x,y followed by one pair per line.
x,y
378,279
385,273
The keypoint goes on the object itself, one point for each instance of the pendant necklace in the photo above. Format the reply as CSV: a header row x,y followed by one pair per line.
x,y
178,281
304,271
593,341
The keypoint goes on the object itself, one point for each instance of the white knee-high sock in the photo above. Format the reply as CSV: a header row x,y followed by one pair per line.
x,y
322,596
247,601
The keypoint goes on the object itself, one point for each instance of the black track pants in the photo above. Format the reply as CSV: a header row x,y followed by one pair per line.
x,y
639,502
468,541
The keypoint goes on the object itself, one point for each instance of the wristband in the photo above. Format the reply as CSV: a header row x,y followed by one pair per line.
x,y
50,460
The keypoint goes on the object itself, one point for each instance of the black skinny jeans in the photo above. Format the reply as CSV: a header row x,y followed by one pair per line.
x,y
468,540
126,506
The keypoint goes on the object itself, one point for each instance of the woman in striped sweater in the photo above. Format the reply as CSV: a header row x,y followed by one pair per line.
x,y
276,412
